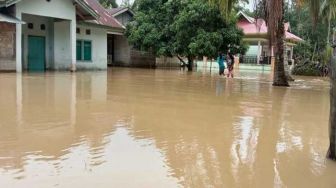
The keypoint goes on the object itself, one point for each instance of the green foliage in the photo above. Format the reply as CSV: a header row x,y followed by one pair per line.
x,y
309,68
327,55
315,35
108,3
187,28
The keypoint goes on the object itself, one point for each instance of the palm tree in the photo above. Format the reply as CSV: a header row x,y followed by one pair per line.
x,y
274,15
274,11
328,12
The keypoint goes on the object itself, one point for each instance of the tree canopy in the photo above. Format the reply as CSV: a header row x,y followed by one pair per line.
x,y
189,28
109,3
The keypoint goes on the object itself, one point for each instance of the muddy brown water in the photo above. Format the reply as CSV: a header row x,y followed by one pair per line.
x,y
162,128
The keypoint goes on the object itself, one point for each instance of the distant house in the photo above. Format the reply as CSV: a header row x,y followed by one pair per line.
x,y
120,52
255,31
39,35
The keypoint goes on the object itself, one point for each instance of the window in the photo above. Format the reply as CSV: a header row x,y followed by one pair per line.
x,y
87,50
84,50
30,26
79,50
88,32
43,27
78,30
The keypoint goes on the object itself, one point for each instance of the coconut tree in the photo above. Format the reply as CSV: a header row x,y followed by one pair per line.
x,y
274,15
327,13
274,12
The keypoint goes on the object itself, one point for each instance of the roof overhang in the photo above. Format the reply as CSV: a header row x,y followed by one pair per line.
x,y
122,11
10,19
7,3
254,39
248,18
83,5
109,30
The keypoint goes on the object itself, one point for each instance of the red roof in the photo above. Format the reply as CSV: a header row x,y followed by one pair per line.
x,y
251,26
104,17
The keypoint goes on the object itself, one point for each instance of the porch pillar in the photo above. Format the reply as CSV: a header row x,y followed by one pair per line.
x,y
18,48
73,45
291,52
259,52
272,58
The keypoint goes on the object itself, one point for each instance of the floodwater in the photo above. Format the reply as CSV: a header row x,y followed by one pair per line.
x,y
162,128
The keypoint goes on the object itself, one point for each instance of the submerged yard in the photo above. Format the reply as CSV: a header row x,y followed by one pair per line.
x,y
163,128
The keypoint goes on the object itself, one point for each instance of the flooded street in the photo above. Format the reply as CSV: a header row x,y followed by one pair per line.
x,y
162,128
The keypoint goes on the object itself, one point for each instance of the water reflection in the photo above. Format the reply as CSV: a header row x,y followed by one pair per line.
x,y
162,129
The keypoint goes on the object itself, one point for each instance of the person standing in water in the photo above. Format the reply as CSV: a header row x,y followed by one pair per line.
x,y
230,64
220,61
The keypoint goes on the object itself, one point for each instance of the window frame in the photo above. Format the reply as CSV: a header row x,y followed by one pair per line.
x,y
82,41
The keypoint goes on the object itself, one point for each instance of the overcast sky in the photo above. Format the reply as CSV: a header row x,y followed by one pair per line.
x,y
250,5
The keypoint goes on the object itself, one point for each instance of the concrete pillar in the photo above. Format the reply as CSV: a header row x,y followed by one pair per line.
x,y
259,52
272,58
73,39
18,38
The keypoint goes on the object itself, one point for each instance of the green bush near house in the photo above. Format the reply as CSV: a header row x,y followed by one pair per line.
x,y
310,68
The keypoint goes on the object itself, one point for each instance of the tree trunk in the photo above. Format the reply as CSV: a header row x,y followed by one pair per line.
x,y
280,78
190,63
332,116
329,24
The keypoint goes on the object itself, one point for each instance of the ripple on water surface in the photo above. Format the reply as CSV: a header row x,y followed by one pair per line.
x,y
163,128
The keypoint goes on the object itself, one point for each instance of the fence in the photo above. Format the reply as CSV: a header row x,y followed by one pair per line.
x,y
249,59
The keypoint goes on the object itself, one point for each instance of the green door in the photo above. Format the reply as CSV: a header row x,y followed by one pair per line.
x,y
36,53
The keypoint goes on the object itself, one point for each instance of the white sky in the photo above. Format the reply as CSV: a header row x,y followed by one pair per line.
x,y
250,6
120,1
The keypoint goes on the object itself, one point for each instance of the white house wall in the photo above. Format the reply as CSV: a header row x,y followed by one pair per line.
x,y
63,9
64,34
62,44
253,50
37,21
98,37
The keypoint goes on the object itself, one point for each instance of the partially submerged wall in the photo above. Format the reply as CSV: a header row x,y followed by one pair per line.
x,y
126,56
142,59
7,47
98,38
168,62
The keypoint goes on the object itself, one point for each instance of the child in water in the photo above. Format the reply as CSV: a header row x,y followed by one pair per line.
x,y
230,64
220,61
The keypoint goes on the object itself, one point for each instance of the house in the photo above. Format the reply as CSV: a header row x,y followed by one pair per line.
x,y
120,52
39,35
255,31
